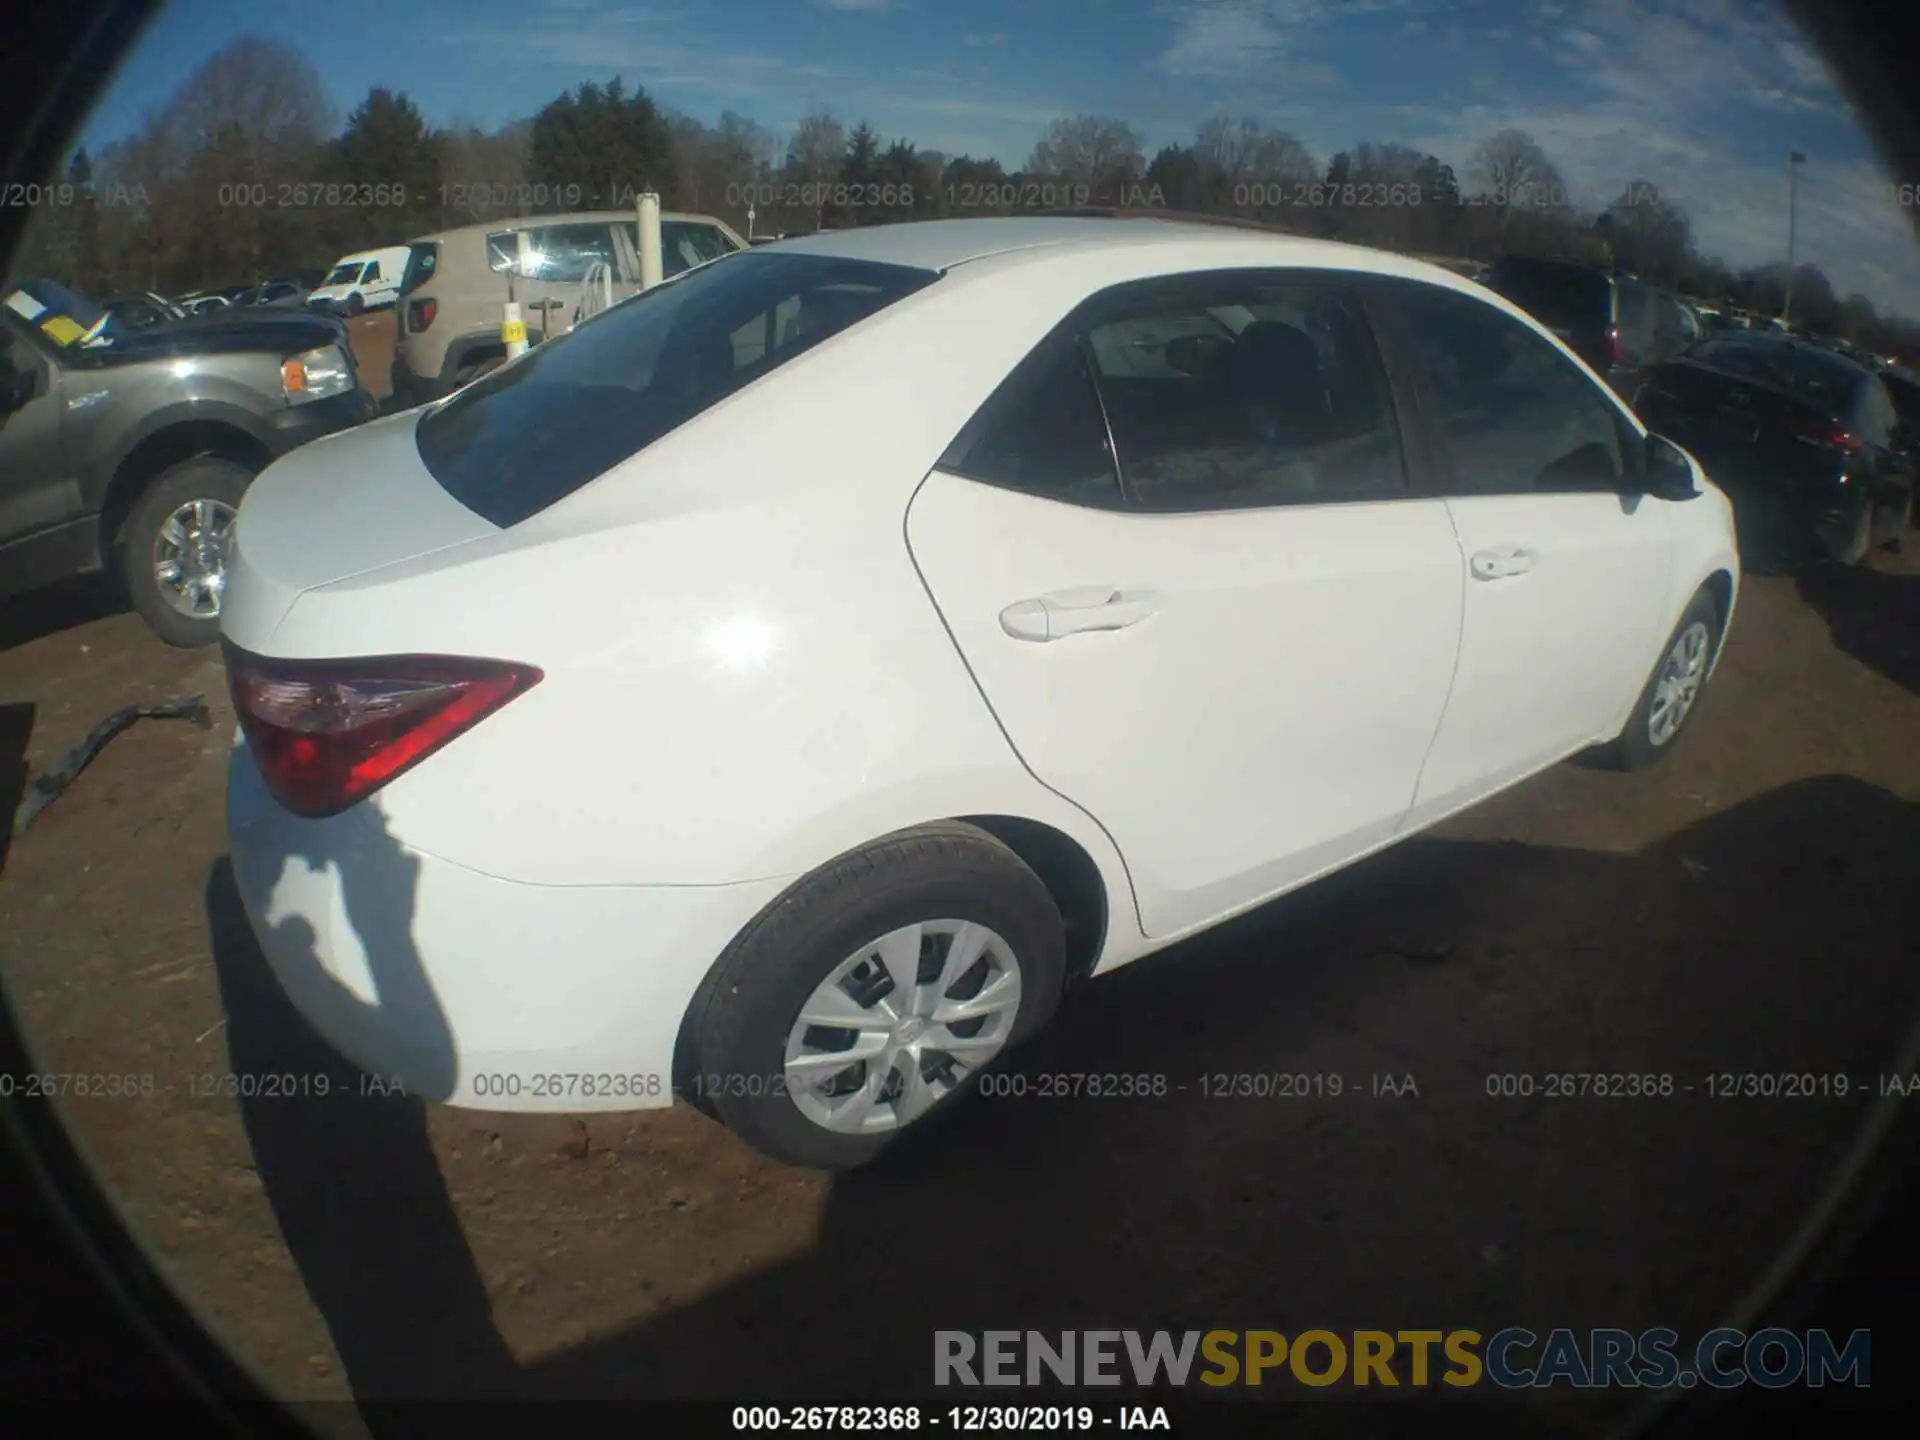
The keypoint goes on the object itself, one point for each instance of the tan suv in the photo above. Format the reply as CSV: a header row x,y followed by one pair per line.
x,y
453,294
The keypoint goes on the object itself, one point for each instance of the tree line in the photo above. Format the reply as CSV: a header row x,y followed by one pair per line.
x,y
245,172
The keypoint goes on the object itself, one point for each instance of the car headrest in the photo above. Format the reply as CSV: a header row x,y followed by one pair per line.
x,y
1269,358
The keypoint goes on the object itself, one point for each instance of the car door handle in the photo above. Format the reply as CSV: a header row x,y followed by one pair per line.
x,y
1502,561
1075,612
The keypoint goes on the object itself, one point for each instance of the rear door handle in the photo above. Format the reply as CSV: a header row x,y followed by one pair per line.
x,y
1500,561
1062,613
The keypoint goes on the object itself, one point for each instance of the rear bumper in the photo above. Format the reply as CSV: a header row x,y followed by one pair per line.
x,y
479,992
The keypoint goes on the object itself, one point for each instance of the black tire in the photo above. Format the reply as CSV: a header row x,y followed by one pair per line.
x,y
356,303
1635,748
202,478
734,1046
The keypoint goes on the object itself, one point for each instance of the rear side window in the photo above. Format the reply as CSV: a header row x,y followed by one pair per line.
x,y
1559,296
1253,395
565,253
1517,415
535,431
1043,431
422,260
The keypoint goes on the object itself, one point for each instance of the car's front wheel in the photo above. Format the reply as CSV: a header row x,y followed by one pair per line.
x,y
356,303
1667,703
872,994
175,548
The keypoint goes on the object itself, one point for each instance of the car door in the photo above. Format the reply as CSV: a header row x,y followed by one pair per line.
x,y
37,490
1567,570
1232,648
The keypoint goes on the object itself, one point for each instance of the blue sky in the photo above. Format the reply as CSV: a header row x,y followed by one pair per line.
x,y
1701,97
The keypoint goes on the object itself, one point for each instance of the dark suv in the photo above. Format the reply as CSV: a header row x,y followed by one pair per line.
x,y
131,448
1617,324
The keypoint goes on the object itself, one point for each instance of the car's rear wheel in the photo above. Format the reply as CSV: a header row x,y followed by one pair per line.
x,y
175,548
1667,703
874,993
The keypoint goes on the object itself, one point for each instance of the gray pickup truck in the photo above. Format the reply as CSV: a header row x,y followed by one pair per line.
x,y
130,449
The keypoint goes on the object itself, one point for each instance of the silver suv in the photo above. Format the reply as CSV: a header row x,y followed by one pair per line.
x,y
454,292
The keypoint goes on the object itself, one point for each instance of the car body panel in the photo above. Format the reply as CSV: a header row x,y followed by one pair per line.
x,y
772,636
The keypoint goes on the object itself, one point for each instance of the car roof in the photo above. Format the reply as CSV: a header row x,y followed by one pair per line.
x,y
943,244
570,217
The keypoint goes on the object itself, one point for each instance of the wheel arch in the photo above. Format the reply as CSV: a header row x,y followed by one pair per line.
x,y
159,451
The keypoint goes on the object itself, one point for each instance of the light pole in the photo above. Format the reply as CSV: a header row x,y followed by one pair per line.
x,y
1794,161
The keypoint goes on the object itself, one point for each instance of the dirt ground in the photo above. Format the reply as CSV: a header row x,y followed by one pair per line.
x,y
372,338
1745,907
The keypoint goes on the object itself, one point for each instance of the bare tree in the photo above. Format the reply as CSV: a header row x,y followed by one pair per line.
x,y
1513,176
813,157
1248,151
1090,150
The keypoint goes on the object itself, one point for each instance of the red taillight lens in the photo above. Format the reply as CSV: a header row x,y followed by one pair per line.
x,y
1614,357
328,733
420,314
1828,435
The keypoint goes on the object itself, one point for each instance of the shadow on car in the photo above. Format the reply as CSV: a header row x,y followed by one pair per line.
x,y
1760,935
1873,615
61,606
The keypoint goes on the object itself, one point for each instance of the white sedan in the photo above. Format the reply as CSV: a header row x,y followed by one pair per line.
x,y
779,691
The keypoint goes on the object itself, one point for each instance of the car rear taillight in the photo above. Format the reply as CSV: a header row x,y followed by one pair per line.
x,y
420,314
1615,355
1829,436
328,733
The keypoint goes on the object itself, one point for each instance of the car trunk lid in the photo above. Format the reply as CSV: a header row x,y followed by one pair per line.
x,y
337,508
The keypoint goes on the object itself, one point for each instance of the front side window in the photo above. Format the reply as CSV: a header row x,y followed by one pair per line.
x,y
503,252
1247,394
1515,413
685,244
373,272
630,375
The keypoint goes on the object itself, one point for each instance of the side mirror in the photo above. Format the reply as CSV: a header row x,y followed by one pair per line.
x,y
1668,475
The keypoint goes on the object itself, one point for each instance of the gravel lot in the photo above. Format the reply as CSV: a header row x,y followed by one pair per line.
x,y
1744,907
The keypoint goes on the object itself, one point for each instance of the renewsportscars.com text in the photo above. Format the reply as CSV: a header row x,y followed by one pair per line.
x,y
1513,1358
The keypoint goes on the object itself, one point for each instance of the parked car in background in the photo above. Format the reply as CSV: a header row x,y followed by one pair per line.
x,y
1167,597
367,280
1615,323
1810,445
277,294
115,455
454,294
142,311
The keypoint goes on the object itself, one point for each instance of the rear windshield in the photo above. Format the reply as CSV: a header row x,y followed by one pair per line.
x,y
1826,380
346,274
422,259
535,431
1554,294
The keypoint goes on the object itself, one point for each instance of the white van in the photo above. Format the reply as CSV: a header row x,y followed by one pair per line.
x,y
365,280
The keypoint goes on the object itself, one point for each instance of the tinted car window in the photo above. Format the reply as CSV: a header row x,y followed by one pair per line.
x,y
1270,396
631,374
1517,416
373,272
684,244
1556,294
1044,432
422,260
1826,380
